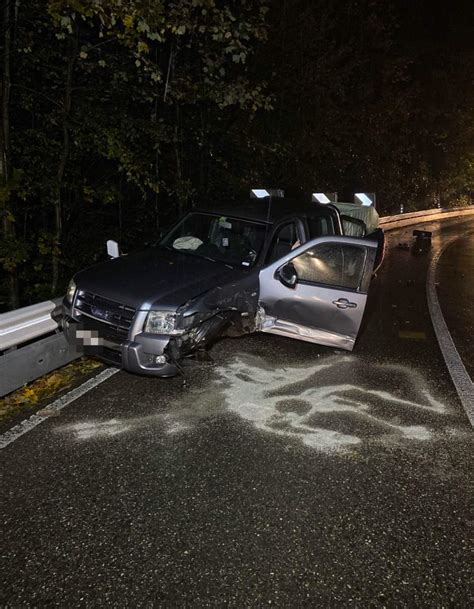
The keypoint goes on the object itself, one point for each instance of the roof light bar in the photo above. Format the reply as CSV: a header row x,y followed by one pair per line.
x,y
324,197
366,198
260,193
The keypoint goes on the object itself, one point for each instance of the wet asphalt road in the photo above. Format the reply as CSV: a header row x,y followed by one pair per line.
x,y
455,278
285,475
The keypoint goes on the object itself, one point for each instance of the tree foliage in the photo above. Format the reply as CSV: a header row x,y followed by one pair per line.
x,y
123,115
118,116
374,96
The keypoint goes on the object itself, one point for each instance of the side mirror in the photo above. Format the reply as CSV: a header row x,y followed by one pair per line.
x,y
287,275
113,249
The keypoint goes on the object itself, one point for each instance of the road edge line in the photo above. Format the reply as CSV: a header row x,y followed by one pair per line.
x,y
28,424
459,375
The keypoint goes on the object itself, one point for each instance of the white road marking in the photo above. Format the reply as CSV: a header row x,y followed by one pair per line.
x,y
461,379
15,432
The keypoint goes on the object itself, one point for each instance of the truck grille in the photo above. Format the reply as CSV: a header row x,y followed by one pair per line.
x,y
110,318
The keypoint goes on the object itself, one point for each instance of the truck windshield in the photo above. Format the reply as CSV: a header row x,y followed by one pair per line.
x,y
220,238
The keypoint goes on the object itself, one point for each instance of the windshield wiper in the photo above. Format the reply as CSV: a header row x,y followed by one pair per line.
x,y
196,255
213,260
206,257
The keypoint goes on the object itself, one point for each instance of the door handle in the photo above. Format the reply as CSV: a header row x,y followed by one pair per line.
x,y
343,303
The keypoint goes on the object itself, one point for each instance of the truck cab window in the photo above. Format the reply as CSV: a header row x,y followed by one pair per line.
x,y
321,226
285,239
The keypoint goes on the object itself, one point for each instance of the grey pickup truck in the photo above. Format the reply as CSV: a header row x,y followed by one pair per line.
x,y
281,266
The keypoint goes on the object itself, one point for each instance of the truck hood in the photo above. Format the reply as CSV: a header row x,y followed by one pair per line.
x,y
156,278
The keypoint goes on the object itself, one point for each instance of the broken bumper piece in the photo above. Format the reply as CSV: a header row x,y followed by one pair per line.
x,y
136,359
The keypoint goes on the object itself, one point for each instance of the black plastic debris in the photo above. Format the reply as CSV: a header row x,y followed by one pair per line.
x,y
422,242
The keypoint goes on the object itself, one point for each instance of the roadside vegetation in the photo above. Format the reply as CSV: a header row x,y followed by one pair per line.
x,y
116,117
29,399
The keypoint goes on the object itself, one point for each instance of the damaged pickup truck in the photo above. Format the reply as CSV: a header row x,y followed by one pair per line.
x,y
280,266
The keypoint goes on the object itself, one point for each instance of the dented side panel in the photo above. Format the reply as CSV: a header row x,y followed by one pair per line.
x,y
306,333
226,309
238,295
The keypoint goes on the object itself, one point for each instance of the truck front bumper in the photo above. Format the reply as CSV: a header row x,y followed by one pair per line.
x,y
144,355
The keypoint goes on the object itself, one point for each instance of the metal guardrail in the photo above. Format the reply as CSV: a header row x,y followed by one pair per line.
x,y
401,220
31,343
21,366
26,324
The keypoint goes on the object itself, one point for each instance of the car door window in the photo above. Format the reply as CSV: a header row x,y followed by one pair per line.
x,y
332,264
285,239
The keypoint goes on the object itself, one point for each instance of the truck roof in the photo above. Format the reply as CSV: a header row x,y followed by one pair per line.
x,y
267,209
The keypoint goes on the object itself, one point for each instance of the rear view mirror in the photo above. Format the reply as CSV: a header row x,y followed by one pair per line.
x,y
287,275
113,249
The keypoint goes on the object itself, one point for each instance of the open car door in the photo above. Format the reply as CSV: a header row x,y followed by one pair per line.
x,y
318,291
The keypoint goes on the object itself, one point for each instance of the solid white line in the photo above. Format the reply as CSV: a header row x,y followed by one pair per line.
x,y
461,379
15,432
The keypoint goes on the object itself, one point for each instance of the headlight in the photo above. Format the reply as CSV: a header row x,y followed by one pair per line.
x,y
161,322
71,290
